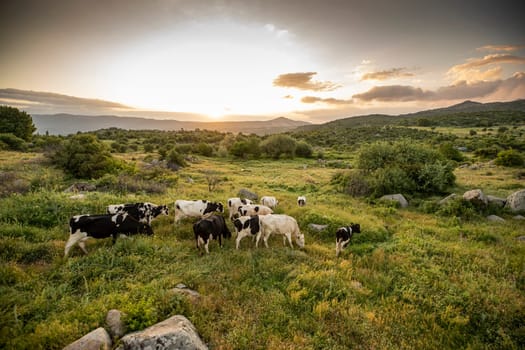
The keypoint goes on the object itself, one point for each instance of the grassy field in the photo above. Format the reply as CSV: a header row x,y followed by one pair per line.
x,y
410,280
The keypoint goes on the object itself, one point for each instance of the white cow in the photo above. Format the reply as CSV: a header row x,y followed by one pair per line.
x,y
282,225
301,201
199,208
234,204
269,201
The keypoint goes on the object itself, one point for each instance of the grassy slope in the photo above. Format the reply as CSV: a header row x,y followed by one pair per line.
x,y
408,281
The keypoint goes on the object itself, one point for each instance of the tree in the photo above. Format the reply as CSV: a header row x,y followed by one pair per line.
x,y
276,145
303,149
85,157
16,122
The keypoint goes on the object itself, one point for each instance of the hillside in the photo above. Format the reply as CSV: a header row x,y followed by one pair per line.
x,y
467,113
64,124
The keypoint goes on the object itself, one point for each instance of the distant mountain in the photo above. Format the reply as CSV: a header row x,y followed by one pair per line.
x,y
452,111
64,124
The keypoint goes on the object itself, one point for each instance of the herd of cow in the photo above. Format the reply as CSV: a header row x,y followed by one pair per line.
x,y
249,219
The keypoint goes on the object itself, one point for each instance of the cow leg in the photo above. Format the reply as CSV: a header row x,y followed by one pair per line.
x,y
337,248
206,246
82,245
74,238
288,236
200,241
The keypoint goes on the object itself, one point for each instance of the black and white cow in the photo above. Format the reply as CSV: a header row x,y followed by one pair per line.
x,y
235,203
254,209
208,228
269,201
143,212
199,208
83,227
301,201
246,226
343,236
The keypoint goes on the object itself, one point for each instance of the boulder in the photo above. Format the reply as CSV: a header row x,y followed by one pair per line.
x,y
81,187
97,340
114,321
476,197
516,201
496,201
519,217
396,198
244,193
182,289
317,227
176,332
495,218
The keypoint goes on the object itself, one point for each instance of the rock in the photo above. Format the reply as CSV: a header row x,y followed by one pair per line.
x,y
81,186
244,193
516,201
97,340
397,198
317,227
176,332
519,217
476,197
496,201
182,289
495,218
447,199
520,238
114,321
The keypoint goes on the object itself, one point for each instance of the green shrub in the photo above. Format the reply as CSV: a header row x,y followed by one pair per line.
x,y
303,149
12,142
16,122
279,144
510,158
84,156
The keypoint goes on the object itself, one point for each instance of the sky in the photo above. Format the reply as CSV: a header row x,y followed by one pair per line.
x,y
310,60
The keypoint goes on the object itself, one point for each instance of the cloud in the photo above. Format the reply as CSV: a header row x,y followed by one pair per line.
x,y
472,69
330,101
387,74
505,48
49,98
303,81
510,88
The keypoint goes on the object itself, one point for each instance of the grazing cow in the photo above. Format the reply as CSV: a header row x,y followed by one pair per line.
x,y
301,201
246,226
254,209
235,203
198,208
211,227
83,227
343,236
280,224
269,201
143,212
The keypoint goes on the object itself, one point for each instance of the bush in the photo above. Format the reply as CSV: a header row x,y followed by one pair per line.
x,y
277,145
85,157
404,167
303,149
511,158
12,142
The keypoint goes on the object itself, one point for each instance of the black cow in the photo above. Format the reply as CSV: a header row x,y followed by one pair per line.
x,y
343,236
83,227
143,212
211,227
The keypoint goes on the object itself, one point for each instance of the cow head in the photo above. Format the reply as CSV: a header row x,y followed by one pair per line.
x,y
300,240
356,228
161,209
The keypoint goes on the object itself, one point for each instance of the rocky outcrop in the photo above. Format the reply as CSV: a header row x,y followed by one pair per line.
x,y
396,198
244,193
97,340
190,294
495,218
115,323
476,197
317,227
176,332
447,199
516,201
496,201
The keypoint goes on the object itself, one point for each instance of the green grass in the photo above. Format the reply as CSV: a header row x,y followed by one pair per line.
x,y
410,280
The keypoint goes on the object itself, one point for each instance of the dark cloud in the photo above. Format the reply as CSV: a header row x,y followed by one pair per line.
x,y
303,81
512,87
330,101
387,74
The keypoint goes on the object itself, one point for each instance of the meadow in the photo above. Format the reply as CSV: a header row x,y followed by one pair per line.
x,y
411,280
